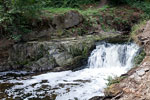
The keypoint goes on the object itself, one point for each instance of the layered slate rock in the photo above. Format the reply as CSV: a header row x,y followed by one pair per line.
x,y
54,55
58,54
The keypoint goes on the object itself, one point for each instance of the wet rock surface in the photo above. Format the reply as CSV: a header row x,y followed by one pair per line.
x,y
47,55
56,55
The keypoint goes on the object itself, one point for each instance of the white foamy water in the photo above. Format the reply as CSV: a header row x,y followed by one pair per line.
x,y
106,60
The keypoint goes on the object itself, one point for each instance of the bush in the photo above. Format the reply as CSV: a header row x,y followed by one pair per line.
x,y
144,5
117,2
15,15
67,3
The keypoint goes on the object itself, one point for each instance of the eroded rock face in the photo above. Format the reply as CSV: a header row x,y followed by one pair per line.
x,y
136,86
4,54
144,38
67,53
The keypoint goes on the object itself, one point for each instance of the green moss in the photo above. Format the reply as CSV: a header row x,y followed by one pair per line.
x,y
118,39
75,51
139,58
22,62
59,10
113,80
86,12
137,29
60,32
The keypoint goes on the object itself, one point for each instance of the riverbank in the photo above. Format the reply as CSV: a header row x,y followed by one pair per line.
x,y
67,38
135,85
63,40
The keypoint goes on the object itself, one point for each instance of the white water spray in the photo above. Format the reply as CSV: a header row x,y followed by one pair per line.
x,y
106,60
109,55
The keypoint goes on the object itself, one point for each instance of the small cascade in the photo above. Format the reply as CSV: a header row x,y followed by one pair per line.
x,y
106,60
112,55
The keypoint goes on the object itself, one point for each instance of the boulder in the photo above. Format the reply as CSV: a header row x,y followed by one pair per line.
x,y
67,20
113,90
56,26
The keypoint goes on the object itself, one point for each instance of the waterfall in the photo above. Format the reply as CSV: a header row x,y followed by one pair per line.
x,y
112,55
106,60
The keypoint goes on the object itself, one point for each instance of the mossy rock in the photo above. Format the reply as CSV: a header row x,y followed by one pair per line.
x,y
118,39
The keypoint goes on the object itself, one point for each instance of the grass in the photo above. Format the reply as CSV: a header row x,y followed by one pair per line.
x,y
93,11
86,12
137,29
113,80
59,10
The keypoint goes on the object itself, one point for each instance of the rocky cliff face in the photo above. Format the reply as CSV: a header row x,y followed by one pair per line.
x,y
48,49
47,55
54,55
136,85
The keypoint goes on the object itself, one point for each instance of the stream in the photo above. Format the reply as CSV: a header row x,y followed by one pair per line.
x,y
106,60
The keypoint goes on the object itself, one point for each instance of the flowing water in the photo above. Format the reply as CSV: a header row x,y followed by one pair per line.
x,y
106,60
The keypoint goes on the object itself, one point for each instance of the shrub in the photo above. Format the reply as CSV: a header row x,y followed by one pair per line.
x,y
117,2
144,5
16,14
67,3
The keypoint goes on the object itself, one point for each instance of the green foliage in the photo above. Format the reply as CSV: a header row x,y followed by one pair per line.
x,y
137,29
86,12
139,58
113,80
15,15
58,10
118,2
67,3
144,5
